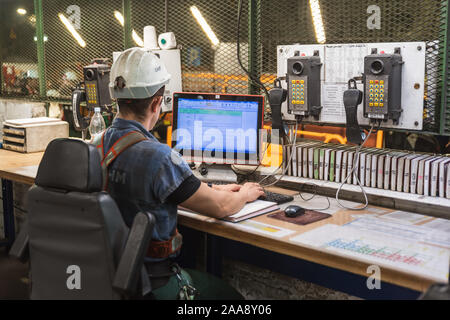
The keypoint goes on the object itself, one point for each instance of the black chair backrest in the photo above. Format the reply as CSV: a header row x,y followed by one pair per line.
x,y
76,231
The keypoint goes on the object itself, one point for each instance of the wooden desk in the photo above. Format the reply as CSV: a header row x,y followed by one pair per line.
x,y
24,175
11,159
284,246
235,232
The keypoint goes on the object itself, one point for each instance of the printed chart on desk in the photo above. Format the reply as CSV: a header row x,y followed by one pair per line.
x,y
431,262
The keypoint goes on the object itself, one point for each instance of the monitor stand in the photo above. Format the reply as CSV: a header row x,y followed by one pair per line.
x,y
215,172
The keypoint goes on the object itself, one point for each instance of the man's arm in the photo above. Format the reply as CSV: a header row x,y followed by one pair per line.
x,y
227,187
217,203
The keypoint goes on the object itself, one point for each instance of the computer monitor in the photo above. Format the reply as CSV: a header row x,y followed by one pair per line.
x,y
218,128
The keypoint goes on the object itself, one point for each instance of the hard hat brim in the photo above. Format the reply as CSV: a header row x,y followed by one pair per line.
x,y
139,91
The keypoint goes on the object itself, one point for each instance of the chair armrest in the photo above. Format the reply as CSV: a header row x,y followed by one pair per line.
x,y
19,249
437,291
130,265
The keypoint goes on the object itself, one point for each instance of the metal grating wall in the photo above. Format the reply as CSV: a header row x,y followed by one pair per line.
x,y
18,50
445,79
65,57
265,24
206,68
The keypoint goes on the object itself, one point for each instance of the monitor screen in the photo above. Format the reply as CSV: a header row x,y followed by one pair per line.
x,y
216,128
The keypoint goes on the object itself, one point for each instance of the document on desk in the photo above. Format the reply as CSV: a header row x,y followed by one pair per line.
x,y
402,231
408,256
439,224
264,228
253,209
377,210
250,210
404,217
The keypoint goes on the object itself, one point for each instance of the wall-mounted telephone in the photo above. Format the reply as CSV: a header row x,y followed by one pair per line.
x,y
93,90
383,86
304,87
96,81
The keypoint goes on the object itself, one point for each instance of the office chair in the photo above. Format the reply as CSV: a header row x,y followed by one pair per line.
x,y
437,291
76,241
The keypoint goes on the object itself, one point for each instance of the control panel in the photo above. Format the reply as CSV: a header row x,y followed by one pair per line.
x,y
96,81
397,68
303,78
383,86
298,97
376,94
93,90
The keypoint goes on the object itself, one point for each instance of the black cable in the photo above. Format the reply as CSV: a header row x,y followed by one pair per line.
x,y
255,80
283,173
166,16
378,127
246,175
355,176
312,197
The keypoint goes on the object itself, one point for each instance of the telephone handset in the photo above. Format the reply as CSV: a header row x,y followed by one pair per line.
x,y
352,99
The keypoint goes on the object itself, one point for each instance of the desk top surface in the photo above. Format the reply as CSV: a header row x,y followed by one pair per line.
x,y
385,237
396,241
11,159
20,167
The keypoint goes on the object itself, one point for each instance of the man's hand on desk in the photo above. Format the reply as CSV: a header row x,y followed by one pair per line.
x,y
227,187
218,203
252,191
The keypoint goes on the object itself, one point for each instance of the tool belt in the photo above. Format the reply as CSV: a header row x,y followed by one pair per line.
x,y
164,249
159,273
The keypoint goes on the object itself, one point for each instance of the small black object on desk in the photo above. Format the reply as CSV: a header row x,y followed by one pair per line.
x,y
276,197
294,211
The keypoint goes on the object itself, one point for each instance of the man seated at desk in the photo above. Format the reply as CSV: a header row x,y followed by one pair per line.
x,y
150,176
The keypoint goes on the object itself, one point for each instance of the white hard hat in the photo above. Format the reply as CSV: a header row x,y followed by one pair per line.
x,y
137,74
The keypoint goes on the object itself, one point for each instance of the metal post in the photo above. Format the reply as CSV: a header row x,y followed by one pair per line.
x,y
166,16
445,72
127,24
2,81
254,26
40,47
8,212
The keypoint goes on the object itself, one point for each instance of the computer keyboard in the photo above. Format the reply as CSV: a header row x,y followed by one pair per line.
x,y
276,197
270,196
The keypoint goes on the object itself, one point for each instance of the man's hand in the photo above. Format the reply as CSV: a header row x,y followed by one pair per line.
x,y
251,191
227,187
219,203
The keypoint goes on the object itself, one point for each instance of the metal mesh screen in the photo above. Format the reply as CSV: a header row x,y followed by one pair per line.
x,y
206,67
65,57
214,68
445,112
18,56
